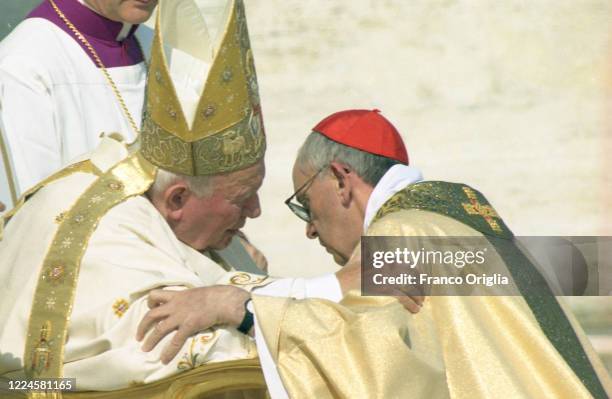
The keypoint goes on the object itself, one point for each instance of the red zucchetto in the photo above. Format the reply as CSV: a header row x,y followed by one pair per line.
x,y
365,130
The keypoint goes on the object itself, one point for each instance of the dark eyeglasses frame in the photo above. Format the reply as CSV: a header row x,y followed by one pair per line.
x,y
298,209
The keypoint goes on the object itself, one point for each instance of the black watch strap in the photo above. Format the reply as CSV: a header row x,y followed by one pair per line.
x,y
247,322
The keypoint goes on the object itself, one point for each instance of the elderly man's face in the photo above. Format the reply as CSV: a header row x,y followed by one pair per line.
x,y
129,11
336,225
210,222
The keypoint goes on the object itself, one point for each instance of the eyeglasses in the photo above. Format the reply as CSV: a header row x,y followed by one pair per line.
x,y
300,210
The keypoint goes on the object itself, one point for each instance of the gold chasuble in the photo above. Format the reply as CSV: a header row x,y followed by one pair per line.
x,y
468,347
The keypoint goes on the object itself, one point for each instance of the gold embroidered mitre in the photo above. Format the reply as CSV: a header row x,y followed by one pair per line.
x,y
226,133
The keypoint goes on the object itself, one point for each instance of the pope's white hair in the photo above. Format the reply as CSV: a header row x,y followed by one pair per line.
x,y
318,151
201,186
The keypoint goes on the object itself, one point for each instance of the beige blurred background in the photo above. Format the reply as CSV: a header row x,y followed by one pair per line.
x,y
511,97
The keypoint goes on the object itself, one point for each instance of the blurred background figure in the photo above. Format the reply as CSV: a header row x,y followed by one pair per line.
x,y
70,71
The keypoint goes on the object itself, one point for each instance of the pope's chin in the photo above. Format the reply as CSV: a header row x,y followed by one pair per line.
x,y
224,241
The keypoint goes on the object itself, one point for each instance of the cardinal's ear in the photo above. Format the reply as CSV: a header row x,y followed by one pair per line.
x,y
342,176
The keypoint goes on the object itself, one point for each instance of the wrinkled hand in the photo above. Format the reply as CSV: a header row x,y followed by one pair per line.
x,y
189,311
350,279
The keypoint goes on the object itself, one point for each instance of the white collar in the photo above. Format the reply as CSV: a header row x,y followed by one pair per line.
x,y
124,32
395,179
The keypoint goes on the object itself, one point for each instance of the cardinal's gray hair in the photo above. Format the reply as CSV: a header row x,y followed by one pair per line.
x,y
318,151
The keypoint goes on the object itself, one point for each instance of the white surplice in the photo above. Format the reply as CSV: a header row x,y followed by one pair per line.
x,y
55,103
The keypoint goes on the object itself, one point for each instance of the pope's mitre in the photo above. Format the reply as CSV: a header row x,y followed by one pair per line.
x,y
226,131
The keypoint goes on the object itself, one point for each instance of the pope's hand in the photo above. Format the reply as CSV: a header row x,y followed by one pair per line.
x,y
189,311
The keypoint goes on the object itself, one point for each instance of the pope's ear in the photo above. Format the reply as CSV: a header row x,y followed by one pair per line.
x,y
342,174
175,198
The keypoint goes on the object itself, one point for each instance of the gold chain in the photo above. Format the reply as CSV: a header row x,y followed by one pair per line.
x,y
94,54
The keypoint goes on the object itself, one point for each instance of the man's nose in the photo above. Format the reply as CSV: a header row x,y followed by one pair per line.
x,y
311,231
252,208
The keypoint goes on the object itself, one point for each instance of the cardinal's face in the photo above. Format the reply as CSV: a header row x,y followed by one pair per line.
x,y
331,222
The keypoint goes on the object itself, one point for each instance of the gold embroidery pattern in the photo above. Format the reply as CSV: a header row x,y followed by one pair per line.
x,y
189,360
55,274
476,208
208,111
42,354
120,307
113,185
165,149
51,300
235,148
60,218
82,167
225,136
55,291
246,279
448,199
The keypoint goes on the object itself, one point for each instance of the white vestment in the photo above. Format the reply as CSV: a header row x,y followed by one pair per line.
x,y
55,103
132,251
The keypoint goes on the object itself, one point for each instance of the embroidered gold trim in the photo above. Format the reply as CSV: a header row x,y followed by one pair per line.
x,y
448,199
48,325
190,359
83,167
476,208
246,279
120,307
234,148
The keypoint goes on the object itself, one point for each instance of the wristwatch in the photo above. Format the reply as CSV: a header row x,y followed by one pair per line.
x,y
247,321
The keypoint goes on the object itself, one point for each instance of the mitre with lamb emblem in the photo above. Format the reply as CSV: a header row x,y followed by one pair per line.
x,y
203,114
